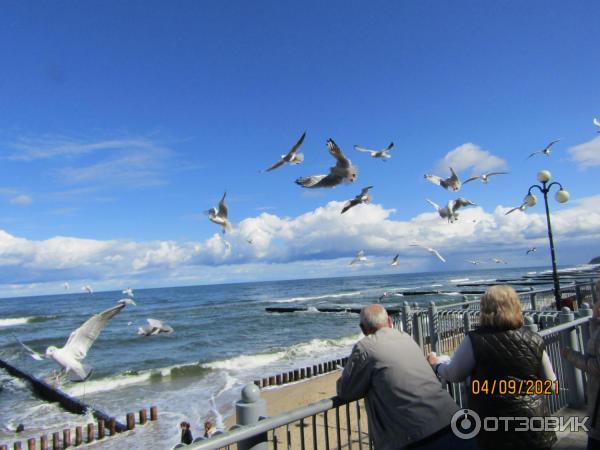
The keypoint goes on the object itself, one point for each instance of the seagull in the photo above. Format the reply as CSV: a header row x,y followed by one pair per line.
x,y
382,296
128,292
484,177
452,183
127,301
360,257
35,355
69,357
220,216
363,197
531,250
66,286
474,262
343,171
449,211
523,207
290,157
87,288
250,241
546,150
154,327
382,154
597,123
396,260
499,261
430,250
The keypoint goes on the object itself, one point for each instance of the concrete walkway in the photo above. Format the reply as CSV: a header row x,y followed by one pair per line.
x,y
571,440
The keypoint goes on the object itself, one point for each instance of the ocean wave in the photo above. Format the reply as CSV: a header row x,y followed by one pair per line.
x,y
317,297
435,285
459,280
24,320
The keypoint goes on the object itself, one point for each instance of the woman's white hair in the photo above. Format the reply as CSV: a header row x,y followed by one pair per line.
x,y
373,317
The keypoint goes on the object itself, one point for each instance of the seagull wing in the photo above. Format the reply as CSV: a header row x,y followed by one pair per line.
x,y
472,179
436,253
83,337
160,326
336,152
551,144
279,163
495,173
223,207
533,154
365,190
35,355
350,204
364,149
434,179
435,205
596,122
296,146
316,181
389,147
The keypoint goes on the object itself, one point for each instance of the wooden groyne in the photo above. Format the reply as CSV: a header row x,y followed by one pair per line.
x,y
302,373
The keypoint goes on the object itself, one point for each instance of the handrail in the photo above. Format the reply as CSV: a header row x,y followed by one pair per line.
x,y
564,326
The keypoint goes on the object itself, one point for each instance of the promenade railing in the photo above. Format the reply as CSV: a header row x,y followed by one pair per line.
x,y
334,423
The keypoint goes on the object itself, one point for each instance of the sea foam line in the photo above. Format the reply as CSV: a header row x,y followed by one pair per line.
x,y
317,297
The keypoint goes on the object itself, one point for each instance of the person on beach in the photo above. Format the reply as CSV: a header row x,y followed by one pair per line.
x,y
217,427
589,362
501,351
186,433
407,408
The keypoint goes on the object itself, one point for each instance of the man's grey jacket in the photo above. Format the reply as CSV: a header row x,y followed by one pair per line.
x,y
405,401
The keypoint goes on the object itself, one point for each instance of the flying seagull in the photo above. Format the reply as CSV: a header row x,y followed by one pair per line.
x,y
531,250
430,250
452,183
35,355
128,292
546,150
484,177
291,157
154,327
449,211
70,355
66,286
343,171
396,260
363,197
220,216
523,207
382,154
472,261
597,123
87,288
499,261
360,257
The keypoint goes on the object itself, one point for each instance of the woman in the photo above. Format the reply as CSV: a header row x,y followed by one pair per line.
x,y
590,363
186,433
498,354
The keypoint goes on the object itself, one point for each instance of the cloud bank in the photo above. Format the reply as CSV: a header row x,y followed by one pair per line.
x,y
471,156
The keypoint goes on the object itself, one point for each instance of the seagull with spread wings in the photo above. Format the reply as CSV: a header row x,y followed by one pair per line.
x,y
433,251
363,197
69,356
396,260
597,123
291,157
87,288
473,261
484,177
382,154
452,183
531,250
546,150
128,292
154,327
499,261
522,207
359,258
342,172
449,211
219,216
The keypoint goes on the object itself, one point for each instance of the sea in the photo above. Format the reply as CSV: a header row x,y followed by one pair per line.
x,y
223,339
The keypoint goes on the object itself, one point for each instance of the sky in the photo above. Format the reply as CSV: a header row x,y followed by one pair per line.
x,y
122,122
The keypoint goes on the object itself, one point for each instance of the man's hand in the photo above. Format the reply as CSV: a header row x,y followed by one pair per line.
x,y
432,358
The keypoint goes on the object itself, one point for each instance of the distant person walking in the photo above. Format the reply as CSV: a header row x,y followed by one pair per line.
x,y
407,407
590,363
501,351
186,433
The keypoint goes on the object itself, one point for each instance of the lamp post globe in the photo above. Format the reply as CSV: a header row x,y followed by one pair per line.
x,y
562,196
544,176
530,199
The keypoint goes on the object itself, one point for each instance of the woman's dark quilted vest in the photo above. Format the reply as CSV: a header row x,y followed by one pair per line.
x,y
509,355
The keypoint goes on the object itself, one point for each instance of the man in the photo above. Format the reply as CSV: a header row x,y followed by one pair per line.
x,y
406,405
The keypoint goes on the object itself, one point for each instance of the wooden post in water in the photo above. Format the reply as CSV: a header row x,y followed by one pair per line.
x,y
143,416
286,378
130,421
278,379
56,440
66,438
78,435
111,427
44,442
153,413
3,447
31,444
309,372
101,429
90,432
17,445
302,373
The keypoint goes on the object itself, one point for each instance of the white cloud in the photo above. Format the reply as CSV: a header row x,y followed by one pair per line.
x,y
586,154
470,156
21,199
317,243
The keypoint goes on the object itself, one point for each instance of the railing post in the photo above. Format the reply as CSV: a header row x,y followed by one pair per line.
x,y
532,299
529,324
405,315
249,410
585,310
417,329
574,376
433,327
594,293
466,321
578,295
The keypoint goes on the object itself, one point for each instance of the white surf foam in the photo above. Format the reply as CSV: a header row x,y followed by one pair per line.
x,y
14,321
459,280
317,297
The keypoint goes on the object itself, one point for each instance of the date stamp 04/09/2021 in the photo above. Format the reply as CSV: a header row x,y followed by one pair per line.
x,y
514,387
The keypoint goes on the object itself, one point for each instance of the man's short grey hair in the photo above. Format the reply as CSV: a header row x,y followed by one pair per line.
x,y
373,317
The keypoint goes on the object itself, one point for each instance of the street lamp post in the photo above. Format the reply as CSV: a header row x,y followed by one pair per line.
x,y
562,196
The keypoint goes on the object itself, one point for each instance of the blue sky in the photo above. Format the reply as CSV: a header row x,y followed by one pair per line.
x,y
121,122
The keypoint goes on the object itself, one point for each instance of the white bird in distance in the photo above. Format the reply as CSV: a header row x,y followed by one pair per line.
x,y
66,286
546,150
449,211
531,250
499,261
452,183
597,123
342,172
154,327
87,288
363,197
396,260
359,258
382,154
128,292
484,177
522,207
433,251
69,356
473,261
291,157
219,216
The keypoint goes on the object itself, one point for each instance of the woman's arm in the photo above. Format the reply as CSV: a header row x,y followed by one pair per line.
x,y
460,366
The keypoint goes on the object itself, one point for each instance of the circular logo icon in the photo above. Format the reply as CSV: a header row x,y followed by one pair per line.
x,y
465,423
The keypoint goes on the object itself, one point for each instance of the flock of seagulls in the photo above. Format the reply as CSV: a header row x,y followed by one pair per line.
x,y
546,150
